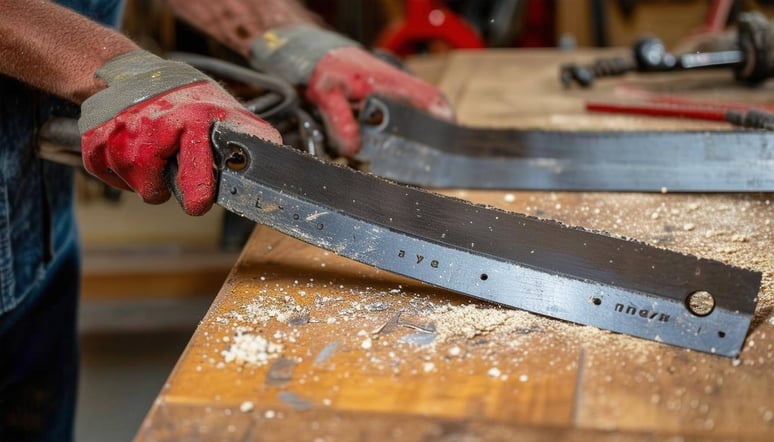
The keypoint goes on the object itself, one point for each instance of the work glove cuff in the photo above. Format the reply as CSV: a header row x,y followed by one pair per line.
x,y
292,52
133,78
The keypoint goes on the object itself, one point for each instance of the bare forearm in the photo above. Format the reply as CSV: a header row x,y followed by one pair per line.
x,y
55,49
237,23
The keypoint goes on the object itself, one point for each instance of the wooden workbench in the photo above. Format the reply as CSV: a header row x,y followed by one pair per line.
x,y
303,345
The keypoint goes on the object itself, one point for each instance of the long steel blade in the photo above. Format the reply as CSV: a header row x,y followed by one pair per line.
x,y
519,261
412,147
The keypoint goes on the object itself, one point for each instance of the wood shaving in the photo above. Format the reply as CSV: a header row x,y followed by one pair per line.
x,y
246,407
248,348
494,372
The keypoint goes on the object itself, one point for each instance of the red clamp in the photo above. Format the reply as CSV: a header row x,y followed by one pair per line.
x,y
428,20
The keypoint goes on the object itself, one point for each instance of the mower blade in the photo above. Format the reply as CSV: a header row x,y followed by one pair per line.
x,y
507,258
408,145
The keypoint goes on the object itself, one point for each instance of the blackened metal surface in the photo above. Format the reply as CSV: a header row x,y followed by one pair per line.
x,y
412,147
512,259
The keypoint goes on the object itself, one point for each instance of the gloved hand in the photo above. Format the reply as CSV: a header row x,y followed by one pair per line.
x,y
154,110
337,72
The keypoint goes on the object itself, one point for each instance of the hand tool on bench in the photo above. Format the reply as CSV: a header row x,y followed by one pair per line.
x,y
752,61
743,116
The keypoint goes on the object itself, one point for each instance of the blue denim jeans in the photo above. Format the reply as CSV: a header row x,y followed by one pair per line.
x,y
39,264
38,277
39,372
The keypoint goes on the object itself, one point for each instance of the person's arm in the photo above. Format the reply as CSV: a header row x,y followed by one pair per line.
x,y
237,23
138,111
55,49
281,37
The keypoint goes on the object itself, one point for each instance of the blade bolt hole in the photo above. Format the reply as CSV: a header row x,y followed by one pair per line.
x,y
237,159
375,117
721,334
596,301
700,303
484,276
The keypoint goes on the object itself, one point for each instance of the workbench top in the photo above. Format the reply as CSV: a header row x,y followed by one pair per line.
x,y
301,344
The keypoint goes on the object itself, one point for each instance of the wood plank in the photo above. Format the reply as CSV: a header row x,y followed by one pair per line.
x,y
195,423
369,355
153,272
345,307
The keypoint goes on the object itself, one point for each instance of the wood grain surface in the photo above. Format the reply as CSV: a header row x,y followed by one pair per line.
x,y
303,345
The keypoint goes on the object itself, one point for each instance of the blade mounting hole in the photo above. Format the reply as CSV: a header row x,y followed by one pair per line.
x,y
700,303
374,114
237,158
374,117
484,276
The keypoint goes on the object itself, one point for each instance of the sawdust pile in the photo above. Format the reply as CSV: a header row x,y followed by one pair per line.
x,y
248,348
395,329
470,321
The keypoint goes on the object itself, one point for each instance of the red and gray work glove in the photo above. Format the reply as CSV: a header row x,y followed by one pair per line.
x,y
338,73
154,110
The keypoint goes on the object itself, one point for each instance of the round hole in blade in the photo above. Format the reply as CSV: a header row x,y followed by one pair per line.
x,y
596,301
374,114
721,334
374,118
237,158
484,276
700,303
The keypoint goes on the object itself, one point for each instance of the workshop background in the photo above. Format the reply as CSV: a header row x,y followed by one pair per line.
x,y
150,272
